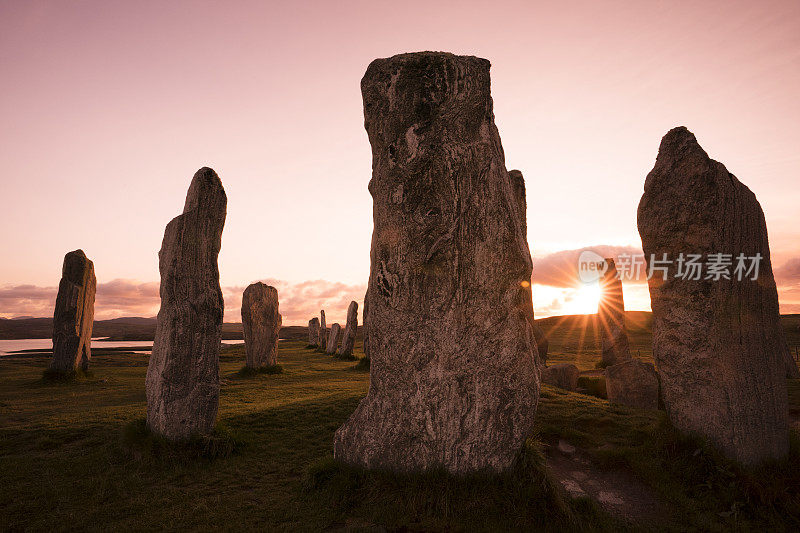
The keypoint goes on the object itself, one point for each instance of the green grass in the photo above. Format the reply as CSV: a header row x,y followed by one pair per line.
x,y
246,371
57,376
77,455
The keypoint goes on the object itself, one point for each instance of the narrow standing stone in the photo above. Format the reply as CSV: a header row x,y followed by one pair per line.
x,y
74,314
183,374
261,322
518,187
718,343
349,336
333,339
611,318
323,331
454,380
313,332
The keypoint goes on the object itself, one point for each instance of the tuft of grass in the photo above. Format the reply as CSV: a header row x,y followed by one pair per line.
x,y
362,365
56,376
247,372
350,357
523,498
593,385
142,444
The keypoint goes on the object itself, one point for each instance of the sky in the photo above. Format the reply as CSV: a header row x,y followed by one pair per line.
x,y
109,107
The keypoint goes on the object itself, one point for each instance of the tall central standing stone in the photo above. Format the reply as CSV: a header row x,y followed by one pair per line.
x,y
261,324
453,381
718,343
73,318
611,318
183,374
349,335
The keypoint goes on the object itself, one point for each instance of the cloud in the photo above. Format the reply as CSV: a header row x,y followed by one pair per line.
x,y
126,297
789,272
560,269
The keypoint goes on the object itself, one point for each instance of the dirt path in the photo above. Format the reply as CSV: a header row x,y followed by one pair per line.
x,y
616,491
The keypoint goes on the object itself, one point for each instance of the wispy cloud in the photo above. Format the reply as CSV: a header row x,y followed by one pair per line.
x,y
126,297
560,269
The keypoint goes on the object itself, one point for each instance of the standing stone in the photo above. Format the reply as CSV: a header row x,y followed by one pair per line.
x,y
313,332
74,314
633,383
564,376
518,186
611,318
364,337
323,331
183,374
261,322
718,344
333,338
349,336
454,380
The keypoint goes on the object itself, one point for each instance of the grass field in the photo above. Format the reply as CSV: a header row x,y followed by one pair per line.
x,y
65,463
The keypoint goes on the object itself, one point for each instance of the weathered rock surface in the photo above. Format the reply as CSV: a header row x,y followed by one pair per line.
x,y
364,329
333,338
261,323
718,344
454,380
633,383
323,331
564,376
518,187
611,318
349,335
313,332
183,374
74,314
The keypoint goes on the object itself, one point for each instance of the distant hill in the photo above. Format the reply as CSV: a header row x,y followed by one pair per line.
x,y
123,329
555,327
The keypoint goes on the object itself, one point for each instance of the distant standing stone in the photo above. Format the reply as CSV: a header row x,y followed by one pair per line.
x,y
718,343
313,332
611,318
333,339
454,379
74,314
633,383
261,322
564,376
323,331
349,335
183,374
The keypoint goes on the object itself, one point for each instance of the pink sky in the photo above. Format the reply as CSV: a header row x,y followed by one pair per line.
x,y
109,107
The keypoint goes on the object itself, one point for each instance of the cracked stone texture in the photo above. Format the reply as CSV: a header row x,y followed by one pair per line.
x,y
261,323
718,345
349,335
611,316
454,380
633,383
313,332
333,338
183,373
73,317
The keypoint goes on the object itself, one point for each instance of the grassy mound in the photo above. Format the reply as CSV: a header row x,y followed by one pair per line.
x,y
143,445
524,498
247,372
56,376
